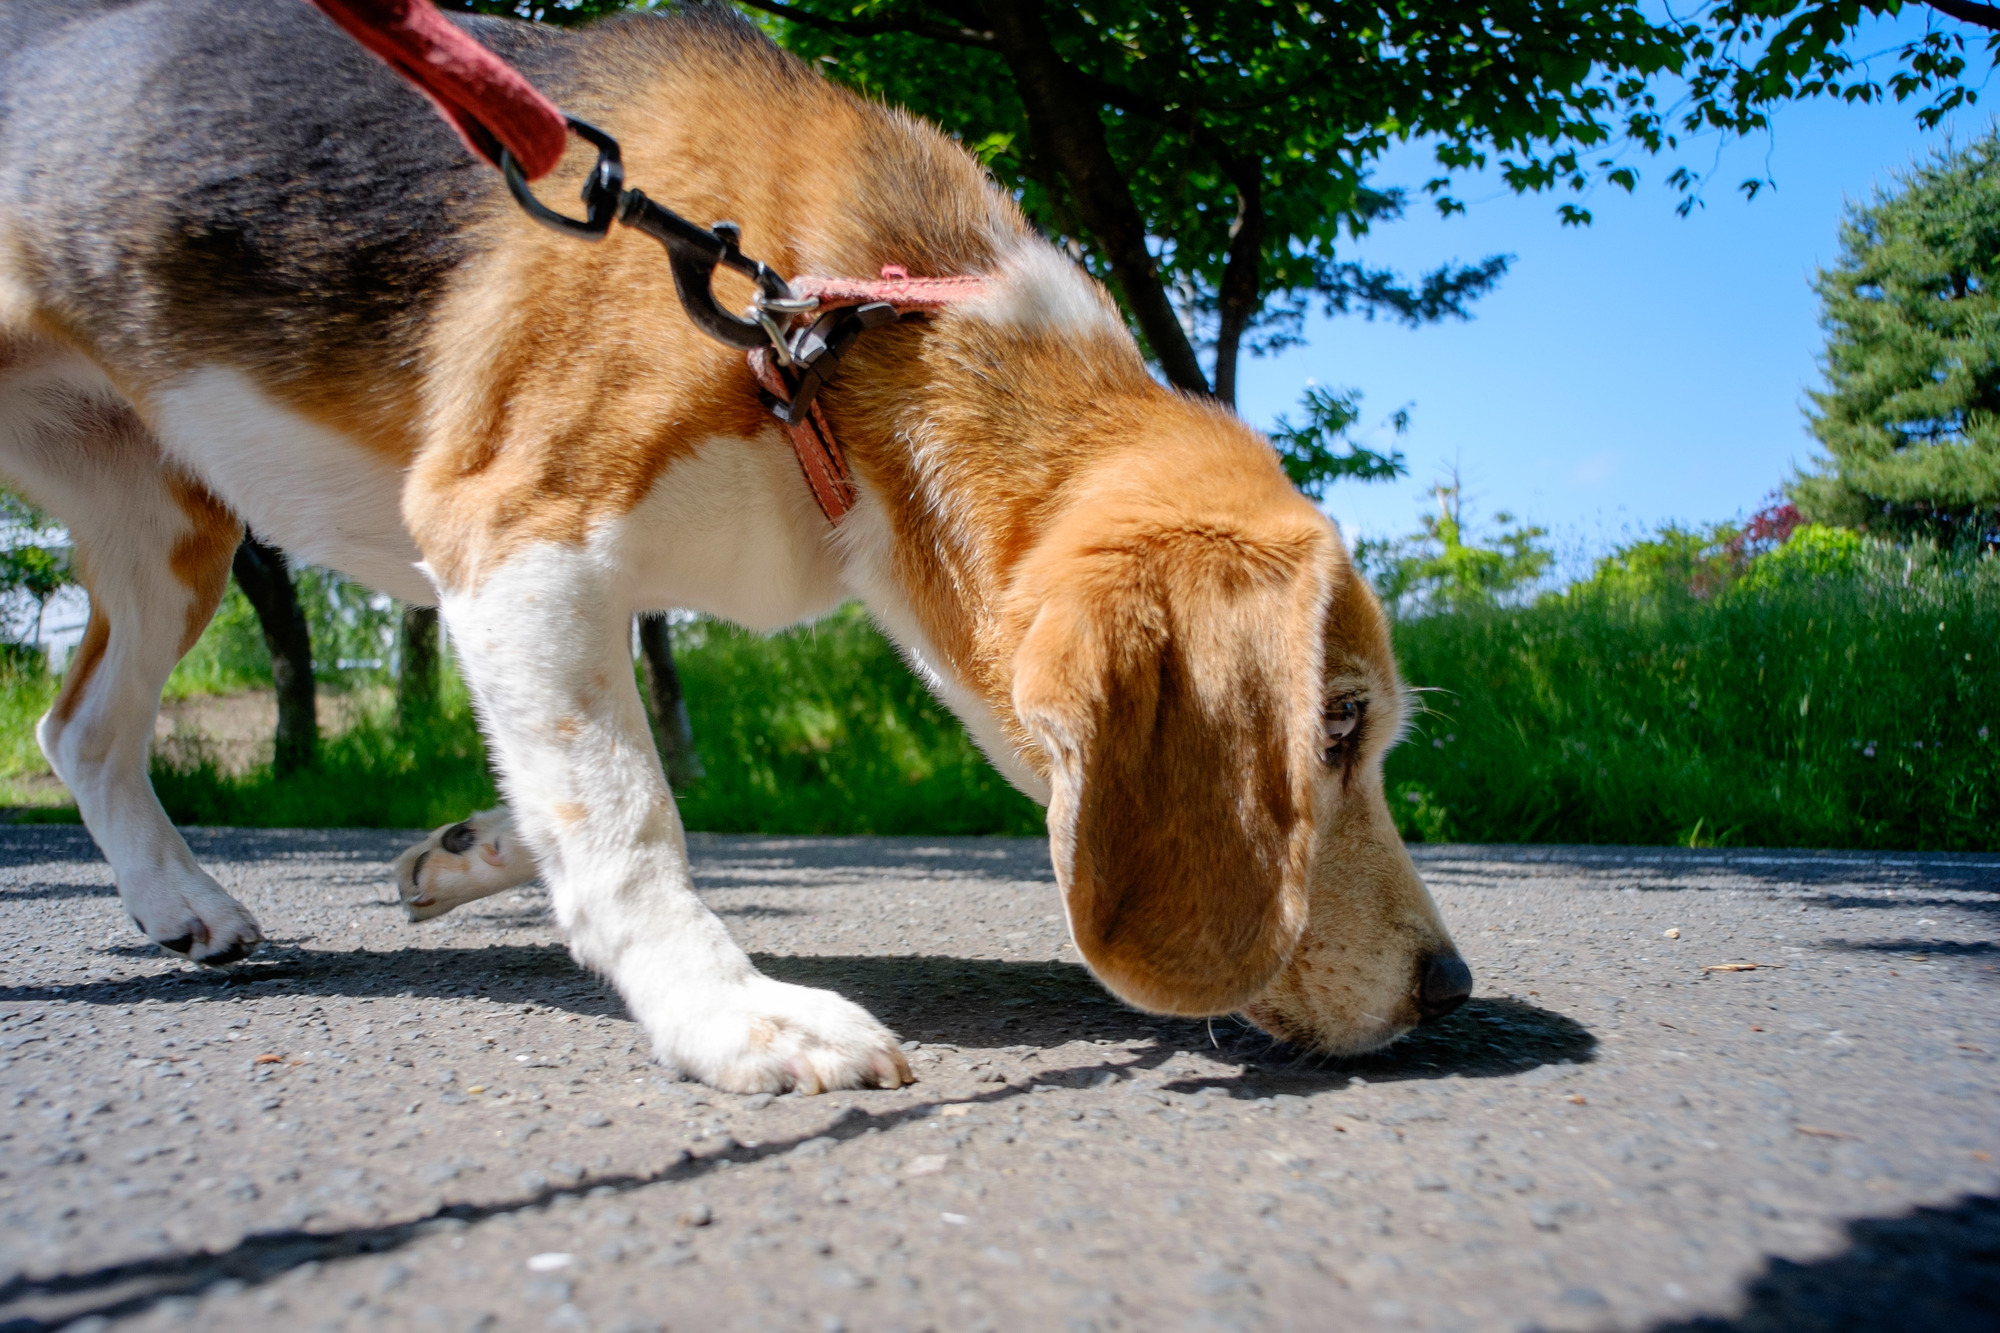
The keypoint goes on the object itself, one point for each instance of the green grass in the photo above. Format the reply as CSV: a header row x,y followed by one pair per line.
x,y
25,694
1844,695
819,731
1850,702
373,775
228,657
26,691
824,730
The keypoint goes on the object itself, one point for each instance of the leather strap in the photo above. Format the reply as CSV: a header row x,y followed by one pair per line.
x,y
484,98
812,440
819,453
896,287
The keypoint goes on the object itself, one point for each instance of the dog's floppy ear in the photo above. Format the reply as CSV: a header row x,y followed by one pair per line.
x,y
1177,703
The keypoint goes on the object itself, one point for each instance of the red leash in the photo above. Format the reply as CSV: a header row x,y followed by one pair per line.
x,y
504,119
482,96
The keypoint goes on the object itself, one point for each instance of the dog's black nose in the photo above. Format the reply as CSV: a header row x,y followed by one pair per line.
x,y
1446,982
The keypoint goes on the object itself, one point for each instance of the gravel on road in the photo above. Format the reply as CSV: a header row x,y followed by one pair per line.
x,y
1694,1090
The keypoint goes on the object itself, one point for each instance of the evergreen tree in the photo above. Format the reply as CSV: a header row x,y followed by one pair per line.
x,y
1910,416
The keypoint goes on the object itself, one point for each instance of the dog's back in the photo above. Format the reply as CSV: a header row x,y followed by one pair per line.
x,y
233,161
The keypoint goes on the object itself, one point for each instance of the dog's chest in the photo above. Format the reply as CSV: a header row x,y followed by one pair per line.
x,y
323,497
731,530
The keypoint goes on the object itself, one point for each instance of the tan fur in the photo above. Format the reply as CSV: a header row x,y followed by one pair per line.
x,y
1171,678
1370,909
564,380
200,560
83,664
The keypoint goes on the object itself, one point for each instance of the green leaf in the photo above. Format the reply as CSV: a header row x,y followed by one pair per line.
x,y
1309,450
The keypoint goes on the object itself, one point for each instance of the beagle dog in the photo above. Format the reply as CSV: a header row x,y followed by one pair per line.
x,y
246,276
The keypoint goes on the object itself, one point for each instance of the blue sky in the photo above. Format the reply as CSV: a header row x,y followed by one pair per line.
x,y
1642,369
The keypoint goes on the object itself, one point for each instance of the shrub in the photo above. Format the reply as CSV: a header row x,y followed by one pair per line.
x,y
1814,552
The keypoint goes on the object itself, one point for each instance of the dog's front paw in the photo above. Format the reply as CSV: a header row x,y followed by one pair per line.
x,y
193,917
460,863
769,1036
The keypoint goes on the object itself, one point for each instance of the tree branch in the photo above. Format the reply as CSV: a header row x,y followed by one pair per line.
x,y
1965,11
918,27
1068,123
1242,292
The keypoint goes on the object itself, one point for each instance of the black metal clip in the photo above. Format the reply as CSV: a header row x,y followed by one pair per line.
x,y
692,252
601,188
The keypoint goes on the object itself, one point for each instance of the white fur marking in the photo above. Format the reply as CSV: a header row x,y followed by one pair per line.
x,y
1039,292
324,498
865,545
543,640
66,439
732,531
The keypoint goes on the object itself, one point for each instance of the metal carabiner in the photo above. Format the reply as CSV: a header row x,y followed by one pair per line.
x,y
692,252
602,188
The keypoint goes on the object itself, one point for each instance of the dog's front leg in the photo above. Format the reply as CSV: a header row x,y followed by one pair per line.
x,y
543,641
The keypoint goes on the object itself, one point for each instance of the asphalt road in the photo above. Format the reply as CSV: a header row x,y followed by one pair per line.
x,y
380,1126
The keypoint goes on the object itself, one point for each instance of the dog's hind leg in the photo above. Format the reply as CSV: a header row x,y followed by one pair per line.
x,y
153,549
542,635
460,863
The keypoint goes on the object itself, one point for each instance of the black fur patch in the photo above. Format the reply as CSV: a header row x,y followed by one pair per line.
x,y
189,173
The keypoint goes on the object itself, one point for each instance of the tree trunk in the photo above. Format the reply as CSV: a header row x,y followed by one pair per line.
x,y
417,682
266,580
664,701
1241,296
1067,123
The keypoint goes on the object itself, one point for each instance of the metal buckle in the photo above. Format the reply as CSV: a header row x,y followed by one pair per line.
x,y
773,314
815,351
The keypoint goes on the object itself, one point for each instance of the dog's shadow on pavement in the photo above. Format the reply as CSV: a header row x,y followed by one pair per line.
x,y
995,1004
970,1003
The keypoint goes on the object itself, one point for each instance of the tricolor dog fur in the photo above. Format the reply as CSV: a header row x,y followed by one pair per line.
x,y
247,276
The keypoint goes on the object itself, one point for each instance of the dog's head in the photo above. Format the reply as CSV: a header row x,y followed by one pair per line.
x,y
1211,687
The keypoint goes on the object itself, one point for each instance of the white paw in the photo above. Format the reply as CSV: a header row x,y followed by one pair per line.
x,y
768,1036
191,916
460,863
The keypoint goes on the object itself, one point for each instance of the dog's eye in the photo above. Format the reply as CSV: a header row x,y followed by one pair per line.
x,y
1341,721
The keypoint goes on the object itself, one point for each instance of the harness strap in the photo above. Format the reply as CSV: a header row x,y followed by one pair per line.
x,y
820,456
484,98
